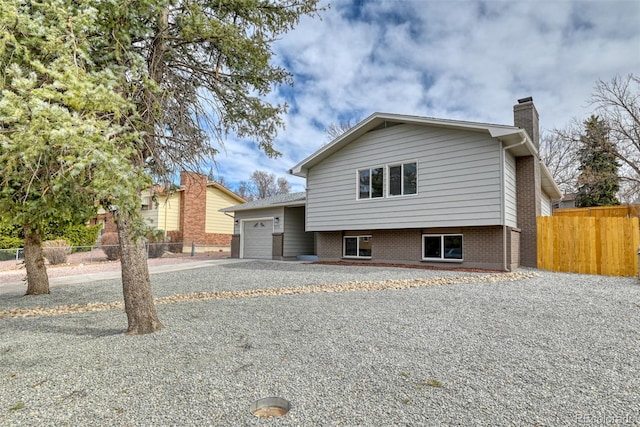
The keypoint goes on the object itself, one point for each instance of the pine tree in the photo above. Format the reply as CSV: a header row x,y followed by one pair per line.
x,y
599,181
59,148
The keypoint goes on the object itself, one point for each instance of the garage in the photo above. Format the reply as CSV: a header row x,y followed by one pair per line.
x,y
257,238
271,228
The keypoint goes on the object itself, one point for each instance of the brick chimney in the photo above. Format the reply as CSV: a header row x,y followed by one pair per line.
x,y
193,204
528,185
525,116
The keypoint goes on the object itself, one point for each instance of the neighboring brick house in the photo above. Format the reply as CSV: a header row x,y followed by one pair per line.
x,y
192,210
407,189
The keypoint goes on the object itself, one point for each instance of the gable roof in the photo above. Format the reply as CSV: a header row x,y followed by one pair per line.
x,y
510,136
164,191
288,200
225,190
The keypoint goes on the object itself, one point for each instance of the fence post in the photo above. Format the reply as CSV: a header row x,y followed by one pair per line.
x,y
17,252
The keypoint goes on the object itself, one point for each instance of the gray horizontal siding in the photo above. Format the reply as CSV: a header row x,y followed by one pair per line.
x,y
260,213
545,205
459,182
510,193
296,240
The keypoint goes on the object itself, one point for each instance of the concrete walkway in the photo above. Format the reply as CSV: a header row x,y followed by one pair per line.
x,y
21,286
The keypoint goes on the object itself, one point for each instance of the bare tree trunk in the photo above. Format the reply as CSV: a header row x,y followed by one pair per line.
x,y
136,284
37,279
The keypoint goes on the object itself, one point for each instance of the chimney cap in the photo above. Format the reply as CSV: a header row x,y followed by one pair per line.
x,y
523,100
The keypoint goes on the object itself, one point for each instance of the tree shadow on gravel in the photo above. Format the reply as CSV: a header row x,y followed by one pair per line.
x,y
45,326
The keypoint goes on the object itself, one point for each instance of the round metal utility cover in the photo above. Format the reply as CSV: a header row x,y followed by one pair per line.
x,y
270,407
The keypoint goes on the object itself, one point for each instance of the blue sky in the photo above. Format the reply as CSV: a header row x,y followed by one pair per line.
x,y
454,59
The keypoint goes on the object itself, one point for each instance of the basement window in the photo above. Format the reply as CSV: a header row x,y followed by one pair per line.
x,y
356,247
442,247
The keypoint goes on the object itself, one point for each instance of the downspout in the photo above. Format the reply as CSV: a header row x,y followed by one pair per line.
x,y
234,220
502,201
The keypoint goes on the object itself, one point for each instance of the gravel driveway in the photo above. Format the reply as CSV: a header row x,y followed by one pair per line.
x,y
554,349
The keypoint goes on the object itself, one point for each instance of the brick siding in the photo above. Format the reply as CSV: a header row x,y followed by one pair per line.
x,y
329,245
483,247
277,246
397,245
235,246
526,116
529,207
529,196
215,239
193,212
193,204
515,249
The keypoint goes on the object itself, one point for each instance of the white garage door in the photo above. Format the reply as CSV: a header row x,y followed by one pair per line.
x,y
257,238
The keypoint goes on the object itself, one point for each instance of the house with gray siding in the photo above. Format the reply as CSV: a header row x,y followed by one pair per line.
x,y
408,189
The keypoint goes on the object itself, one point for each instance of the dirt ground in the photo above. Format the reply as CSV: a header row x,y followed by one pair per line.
x,y
96,262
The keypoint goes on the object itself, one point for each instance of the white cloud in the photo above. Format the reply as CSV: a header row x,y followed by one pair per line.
x,y
458,59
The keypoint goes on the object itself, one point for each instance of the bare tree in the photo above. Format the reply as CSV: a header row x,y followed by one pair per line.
x,y
618,102
335,130
559,152
283,186
245,190
261,185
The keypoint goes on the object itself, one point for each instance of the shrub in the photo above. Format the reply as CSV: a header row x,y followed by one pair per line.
x,y
56,251
77,235
82,235
8,242
110,245
175,241
157,244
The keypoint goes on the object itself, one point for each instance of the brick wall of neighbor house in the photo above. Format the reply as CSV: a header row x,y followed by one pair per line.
x,y
107,221
215,239
277,246
193,205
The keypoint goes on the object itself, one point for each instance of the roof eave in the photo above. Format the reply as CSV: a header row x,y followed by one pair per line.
x,y
226,191
549,184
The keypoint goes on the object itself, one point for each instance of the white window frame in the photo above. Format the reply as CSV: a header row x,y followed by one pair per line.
x,y
364,237
388,177
442,258
384,179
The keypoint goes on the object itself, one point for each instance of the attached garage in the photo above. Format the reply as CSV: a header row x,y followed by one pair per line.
x,y
256,238
271,228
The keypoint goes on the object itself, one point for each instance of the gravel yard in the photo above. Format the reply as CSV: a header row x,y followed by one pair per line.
x,y
425,348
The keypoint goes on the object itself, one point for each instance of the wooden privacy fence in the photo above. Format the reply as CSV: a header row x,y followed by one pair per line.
x,y
589,245
621,211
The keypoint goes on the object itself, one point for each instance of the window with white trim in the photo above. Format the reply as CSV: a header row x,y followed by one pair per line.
x,y
356,247
403,179
370,183
442,247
